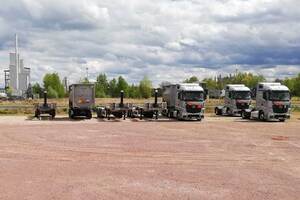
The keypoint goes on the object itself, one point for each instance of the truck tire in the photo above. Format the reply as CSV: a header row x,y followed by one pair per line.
x,y
282,120
261,116
245,115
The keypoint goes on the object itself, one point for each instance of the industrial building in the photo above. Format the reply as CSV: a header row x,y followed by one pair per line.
x,y
17,77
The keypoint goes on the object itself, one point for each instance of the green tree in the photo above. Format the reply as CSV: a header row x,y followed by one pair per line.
x,y
51,93
122,85
9,91
133,91
102,86
53,82
113,88
293,84
145,87
37,89
192,79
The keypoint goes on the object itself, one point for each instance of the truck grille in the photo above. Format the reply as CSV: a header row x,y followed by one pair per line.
x,y
193,109
242,105
280,108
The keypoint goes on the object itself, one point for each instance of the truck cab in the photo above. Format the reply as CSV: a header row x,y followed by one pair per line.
x,y
273,101
237,98
185,101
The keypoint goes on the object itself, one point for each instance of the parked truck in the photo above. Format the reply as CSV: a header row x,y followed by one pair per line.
x,y
273,101
237,98
184,101
81,100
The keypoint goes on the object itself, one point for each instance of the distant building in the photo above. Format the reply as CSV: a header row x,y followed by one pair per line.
x,y
18,76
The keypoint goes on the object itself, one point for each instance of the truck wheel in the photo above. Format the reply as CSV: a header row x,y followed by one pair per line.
x,y
282,120
261,116
244,115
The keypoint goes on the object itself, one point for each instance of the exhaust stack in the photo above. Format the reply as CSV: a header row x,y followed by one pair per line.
x,y
155,96
45,98
122,98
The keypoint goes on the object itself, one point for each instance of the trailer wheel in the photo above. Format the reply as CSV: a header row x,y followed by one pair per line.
x,y
37,114
71,114
53,115
218,111
89,115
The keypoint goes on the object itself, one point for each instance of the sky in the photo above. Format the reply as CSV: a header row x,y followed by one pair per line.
x,y
166,40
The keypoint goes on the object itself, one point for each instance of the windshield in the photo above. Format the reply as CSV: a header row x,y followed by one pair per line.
x,y
280,96
241,95
193,96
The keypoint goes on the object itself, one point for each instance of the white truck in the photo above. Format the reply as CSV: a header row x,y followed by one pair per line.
x,y
273,101
237,98
184,101
81,100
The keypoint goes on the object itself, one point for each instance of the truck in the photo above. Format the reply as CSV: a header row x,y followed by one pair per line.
x,y
237,98
273,101
185,101
81,100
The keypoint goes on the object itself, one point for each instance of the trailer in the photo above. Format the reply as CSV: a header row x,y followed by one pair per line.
x,y
185,101
81,100
237,98
117,110
273,102
149,109
45,108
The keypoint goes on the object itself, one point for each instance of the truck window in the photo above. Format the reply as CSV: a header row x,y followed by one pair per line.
x,y
193,96
280,96
242,95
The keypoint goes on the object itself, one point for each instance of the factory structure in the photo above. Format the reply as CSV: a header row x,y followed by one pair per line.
x,y
17,77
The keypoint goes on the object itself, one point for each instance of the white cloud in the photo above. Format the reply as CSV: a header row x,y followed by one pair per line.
x,y
166,40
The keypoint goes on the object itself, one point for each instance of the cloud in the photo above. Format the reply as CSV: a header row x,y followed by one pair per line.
x,y
164,39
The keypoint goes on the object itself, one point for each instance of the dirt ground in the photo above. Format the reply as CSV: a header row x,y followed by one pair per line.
x,y
218,158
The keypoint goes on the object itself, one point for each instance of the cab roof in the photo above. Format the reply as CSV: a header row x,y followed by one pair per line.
x,y
190,87
237,87
272,86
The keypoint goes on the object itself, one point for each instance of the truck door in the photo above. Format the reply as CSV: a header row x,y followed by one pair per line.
x,y
264,102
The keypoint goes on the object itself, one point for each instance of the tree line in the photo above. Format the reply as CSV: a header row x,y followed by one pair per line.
x,y
248,79
103,87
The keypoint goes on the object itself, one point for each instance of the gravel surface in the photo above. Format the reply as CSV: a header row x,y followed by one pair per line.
x,y
218,158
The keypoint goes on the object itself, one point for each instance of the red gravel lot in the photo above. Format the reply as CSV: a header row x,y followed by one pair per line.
x,y
218,158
